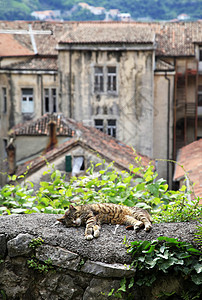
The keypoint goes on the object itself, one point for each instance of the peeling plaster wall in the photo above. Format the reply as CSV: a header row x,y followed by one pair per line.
x,y
131,106
160,130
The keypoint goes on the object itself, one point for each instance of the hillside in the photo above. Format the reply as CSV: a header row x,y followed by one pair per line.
x,y
150,9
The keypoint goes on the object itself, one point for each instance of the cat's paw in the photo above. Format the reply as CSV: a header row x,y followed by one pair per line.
x,y
147,227
96,233
138,225
89,237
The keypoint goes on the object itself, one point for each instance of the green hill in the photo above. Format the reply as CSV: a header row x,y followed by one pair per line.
x,y
153,9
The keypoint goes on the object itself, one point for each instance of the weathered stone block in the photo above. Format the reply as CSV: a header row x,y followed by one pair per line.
x,y
100,288
107,270
59,257
2,245
20,245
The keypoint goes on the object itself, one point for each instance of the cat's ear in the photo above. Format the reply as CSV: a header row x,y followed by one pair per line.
x,y
71,207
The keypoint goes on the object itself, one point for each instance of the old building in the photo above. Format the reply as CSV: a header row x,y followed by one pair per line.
x,y
71,156
139,82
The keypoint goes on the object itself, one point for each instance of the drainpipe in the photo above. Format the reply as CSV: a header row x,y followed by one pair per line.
x,y
70,82
168,127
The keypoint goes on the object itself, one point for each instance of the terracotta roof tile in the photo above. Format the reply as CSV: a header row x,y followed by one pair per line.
x,y
93,139
106,32
35,63
171,38
190,160
40,126
9,46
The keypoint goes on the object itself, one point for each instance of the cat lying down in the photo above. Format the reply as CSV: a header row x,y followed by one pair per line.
x,y
93,215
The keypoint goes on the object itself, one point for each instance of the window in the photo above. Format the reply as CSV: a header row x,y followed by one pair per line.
x,y
200,95
107,126
111,127
50,100
4,97
27,100
74,164
5,142
111,79
99,125
105,80
200,54
99,82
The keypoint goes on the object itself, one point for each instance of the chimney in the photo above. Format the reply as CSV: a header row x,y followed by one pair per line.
x,y
11,153
52,136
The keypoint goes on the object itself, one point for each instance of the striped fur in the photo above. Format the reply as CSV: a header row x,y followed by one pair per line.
x,y
93,215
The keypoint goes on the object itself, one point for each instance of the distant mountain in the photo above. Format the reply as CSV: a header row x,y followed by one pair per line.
x,y
69,10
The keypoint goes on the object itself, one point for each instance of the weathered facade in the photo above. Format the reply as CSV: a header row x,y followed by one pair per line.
x,y
139,82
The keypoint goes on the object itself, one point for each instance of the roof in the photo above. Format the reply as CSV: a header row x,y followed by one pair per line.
x,y
162,65
108,32
40,126
171,38
9,45
94,140
35,63
190,160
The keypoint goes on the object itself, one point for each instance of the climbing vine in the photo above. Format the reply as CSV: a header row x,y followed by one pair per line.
x,y
163,256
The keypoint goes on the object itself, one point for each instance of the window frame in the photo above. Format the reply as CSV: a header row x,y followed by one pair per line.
x,y
50,99
111,128
99,127
28,99
109,82
4,100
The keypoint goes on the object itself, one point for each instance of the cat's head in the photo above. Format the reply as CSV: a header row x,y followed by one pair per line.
x,y
70,217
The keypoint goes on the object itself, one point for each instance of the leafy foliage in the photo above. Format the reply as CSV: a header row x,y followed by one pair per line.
x,y
138,187
164,256
41,267
155,9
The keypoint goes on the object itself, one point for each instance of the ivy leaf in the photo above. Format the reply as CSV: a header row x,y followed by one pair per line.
x,y
197,279
198,268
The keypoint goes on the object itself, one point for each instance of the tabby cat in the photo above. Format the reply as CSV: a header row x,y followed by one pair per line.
x,y
93,215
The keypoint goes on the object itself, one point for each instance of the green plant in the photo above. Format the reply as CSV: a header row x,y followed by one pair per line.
x,y
36,243
164,256
34,263
37,265
198,235
139,187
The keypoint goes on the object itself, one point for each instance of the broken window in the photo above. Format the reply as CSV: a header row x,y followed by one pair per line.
x,y
99,124
50,100
107,126
78,165
111,127
99,80
27,100
111,79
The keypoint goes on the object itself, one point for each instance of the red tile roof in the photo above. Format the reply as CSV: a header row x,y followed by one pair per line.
x,y
190,160
35,64
91,138
40,126
9,46
171,38
108,32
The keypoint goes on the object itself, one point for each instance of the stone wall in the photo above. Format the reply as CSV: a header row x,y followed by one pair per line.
x,y
79,269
